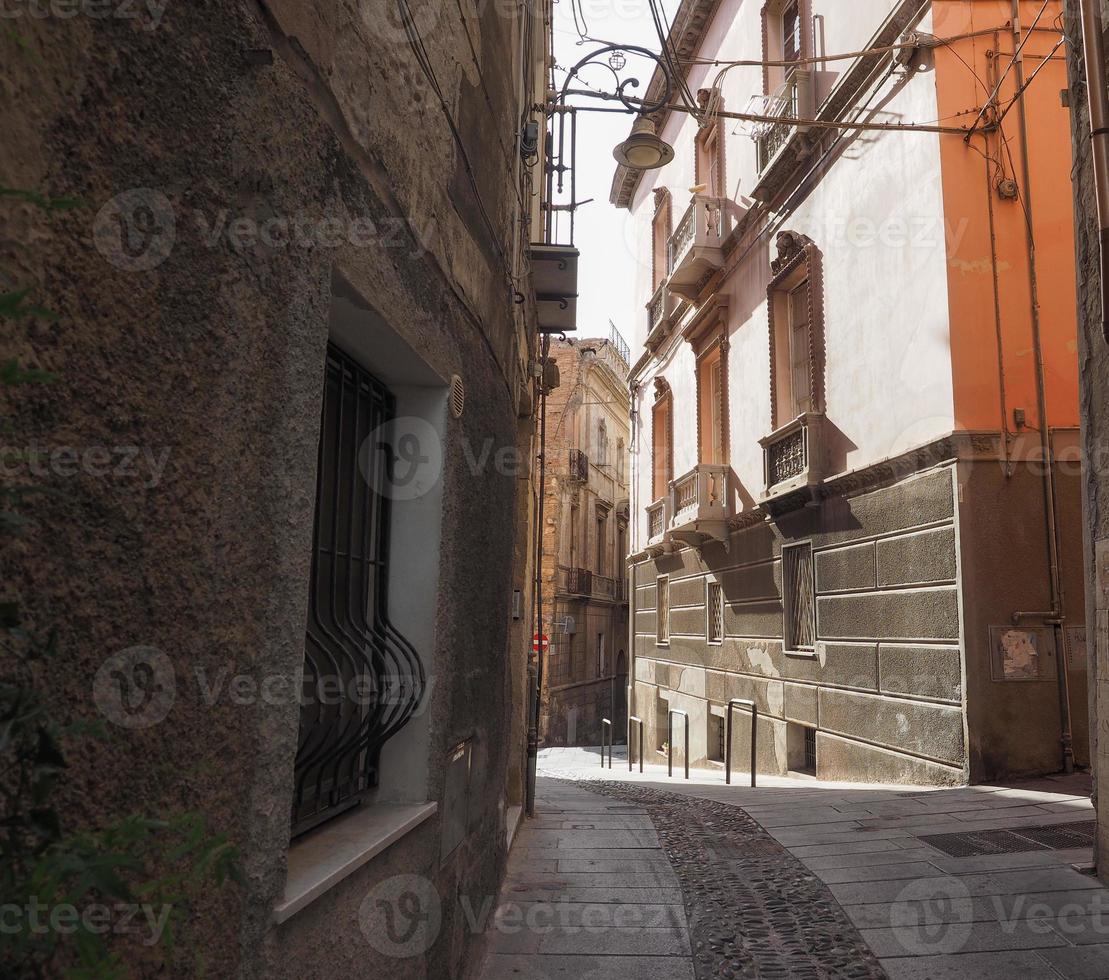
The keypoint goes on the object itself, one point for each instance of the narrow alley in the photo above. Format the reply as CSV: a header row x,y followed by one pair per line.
x,y
401,399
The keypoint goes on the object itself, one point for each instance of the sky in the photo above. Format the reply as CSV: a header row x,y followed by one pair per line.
x,y
607,268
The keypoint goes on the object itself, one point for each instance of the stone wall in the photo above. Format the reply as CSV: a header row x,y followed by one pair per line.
x,y
1093,354
260,159
883,688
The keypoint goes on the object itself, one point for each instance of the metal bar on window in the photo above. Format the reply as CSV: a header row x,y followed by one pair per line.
x,y
362,679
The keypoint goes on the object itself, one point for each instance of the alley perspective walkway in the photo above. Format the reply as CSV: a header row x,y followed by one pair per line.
x,y
644,876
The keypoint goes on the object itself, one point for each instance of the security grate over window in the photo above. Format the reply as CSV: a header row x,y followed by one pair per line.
x,y
799,597
662,610
715,612
362,678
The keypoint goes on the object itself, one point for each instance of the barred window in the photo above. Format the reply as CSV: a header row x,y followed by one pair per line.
x,y
798,595
662,609
362,678
714,602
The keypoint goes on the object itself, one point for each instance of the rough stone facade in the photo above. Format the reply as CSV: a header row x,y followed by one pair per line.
x,y
901,685
1093,353
585,544
253,180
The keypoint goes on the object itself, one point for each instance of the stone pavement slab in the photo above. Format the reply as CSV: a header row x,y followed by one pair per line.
x,y
501,966
926,914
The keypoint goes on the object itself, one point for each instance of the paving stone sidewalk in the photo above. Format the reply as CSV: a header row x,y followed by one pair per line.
x,y
1005,900
628,882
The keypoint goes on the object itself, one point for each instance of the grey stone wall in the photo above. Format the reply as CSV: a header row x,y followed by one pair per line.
x,y
214,354
1093,360
884,687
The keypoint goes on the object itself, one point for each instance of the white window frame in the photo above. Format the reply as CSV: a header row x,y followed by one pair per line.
x,y
662,624
787,627
710,582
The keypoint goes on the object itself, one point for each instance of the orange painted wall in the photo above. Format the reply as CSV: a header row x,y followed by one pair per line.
x,y
966,190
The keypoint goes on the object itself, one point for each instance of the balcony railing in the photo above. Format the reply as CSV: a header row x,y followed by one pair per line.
x,y
604,586
792,456
774,135
579,466
579,581
777,150
695,246
659,313
658,522
700,505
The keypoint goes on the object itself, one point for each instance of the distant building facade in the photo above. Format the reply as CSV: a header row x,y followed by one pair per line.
x,y
585,542
855,498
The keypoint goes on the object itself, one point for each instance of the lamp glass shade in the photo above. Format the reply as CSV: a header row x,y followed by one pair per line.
x,y
643,150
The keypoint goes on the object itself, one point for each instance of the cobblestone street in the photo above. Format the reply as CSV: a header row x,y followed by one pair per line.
x,y
642,876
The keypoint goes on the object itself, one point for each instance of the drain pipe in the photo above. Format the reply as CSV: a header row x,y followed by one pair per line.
x,y
1054,618
1094,50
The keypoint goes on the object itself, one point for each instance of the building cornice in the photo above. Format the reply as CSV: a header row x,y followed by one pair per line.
x,y
685,37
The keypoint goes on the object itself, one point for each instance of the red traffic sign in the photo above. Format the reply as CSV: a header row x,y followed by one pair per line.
x,y
540,643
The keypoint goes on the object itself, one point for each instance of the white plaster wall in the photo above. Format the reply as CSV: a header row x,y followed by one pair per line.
x,y
876,215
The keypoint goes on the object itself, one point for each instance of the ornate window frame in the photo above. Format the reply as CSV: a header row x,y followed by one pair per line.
x,y
772,12
663,394
798,259
662,223
713,130
707,333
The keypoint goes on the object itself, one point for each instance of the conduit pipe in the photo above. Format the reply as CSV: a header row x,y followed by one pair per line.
x,y
1055,617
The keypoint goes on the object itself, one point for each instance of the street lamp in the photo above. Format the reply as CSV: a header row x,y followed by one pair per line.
x,y
643,150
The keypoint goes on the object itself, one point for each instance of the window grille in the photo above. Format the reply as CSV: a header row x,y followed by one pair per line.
x,y
800,603
715,613
362,678
810,750
662,610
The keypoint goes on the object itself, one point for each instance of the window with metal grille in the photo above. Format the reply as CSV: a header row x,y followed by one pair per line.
x,y
362,678
662,610
716,738
798,594
810,750
715,610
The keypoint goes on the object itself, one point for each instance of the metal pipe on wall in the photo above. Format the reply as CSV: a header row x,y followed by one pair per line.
x,y
1094,50
1055,617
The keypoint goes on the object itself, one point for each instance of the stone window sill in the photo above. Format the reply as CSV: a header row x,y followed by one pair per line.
x,y
340,847
801,654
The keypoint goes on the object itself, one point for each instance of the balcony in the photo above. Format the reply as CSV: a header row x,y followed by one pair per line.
x,y
658,526
660,315
604,586
779,145
579,581
792,461
699,505
579,466
695,247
